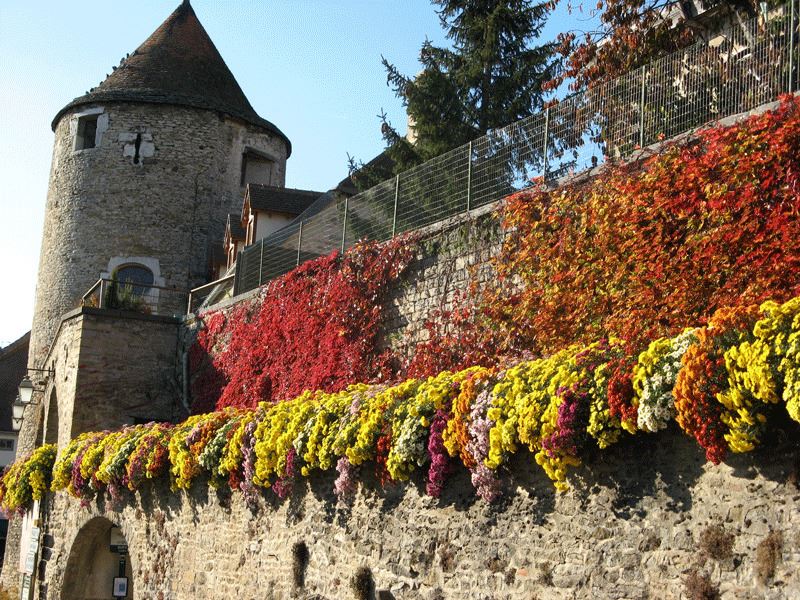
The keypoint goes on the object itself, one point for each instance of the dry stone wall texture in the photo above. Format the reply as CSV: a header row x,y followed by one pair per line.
x,y
648,520
450,256
170,205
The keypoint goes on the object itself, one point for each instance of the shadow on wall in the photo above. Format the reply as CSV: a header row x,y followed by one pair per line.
x,y
629,479
93,570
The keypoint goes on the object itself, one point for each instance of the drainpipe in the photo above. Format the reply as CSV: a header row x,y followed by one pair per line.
x,y
185,380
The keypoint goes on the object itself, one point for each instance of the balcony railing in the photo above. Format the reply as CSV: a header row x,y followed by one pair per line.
x,y
136,297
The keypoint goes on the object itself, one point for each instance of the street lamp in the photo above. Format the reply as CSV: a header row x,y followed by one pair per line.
x,y
25,397
18,409
26,390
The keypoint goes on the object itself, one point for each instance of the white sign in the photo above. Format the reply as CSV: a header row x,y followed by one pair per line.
x,y
120,587
26,587
33,548
29,521
118,544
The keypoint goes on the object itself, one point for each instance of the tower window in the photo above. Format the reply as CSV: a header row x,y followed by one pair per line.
x,y
256,168
87,132
138,277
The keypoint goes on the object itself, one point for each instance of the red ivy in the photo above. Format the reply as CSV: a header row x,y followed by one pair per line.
x,y
643,249
316,327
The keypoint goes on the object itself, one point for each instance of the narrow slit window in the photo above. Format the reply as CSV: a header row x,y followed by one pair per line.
x,y
87,132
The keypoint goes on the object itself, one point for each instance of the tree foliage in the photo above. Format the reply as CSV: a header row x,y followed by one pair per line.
x,y
491,75
634,32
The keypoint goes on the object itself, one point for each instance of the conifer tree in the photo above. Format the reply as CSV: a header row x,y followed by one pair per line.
x,y
490,77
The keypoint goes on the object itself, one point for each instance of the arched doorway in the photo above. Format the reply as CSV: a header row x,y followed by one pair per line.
x,y
98,563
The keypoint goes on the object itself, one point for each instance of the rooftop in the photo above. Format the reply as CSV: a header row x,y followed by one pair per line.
x,y
283,200
235,227
13,363
179,65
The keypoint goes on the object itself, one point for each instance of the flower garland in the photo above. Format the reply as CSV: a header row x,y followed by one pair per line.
x,y
725,380
27,479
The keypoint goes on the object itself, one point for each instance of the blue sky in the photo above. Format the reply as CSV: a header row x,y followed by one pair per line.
x,y
312,67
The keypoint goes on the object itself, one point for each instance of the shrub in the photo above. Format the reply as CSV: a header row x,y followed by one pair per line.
x,y
768,552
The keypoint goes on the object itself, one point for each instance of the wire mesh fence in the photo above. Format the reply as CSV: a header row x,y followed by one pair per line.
x,y
749,64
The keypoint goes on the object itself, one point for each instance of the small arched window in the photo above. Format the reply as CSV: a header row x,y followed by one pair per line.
x,y
139,277
131,288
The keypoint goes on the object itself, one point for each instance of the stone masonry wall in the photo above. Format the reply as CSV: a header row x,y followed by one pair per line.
x,y
450,255
91,389
170,206
146,389
648,519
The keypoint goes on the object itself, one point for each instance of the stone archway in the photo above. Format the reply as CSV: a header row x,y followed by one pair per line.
x,y
92,566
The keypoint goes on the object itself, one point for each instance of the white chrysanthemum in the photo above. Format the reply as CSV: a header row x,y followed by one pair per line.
x,y
656,402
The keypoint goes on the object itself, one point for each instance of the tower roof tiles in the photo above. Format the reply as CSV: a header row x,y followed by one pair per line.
x,y
178,64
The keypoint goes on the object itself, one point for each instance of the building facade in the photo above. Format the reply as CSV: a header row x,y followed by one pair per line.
x,y
146,168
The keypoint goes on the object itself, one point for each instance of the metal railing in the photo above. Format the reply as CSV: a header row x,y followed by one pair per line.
x,y
210,293
750,64
135,297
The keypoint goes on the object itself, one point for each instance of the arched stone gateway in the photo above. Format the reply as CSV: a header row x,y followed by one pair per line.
x,y
98,566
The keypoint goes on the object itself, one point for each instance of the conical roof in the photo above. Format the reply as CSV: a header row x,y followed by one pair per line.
x,y
178,64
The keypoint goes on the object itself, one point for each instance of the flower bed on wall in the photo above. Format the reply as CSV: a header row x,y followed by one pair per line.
x,y
641,250
724,383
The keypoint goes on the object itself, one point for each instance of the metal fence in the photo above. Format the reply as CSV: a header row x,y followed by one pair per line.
x,y
210,293
135,297
748,65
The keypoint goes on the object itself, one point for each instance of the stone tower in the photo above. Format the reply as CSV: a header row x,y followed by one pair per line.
x,y
145,168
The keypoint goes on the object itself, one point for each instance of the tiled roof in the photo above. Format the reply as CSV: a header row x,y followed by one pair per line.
x,y
13,363
235,226
178,64
284,200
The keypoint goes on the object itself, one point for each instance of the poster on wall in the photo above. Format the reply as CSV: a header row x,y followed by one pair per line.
x,y
25,592
120,587
29,537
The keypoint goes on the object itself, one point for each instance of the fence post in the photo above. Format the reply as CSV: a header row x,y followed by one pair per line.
x,y
261,263
344,222
641,108
546,134
791,47
299,242
237,283
396,197
469,176
102,293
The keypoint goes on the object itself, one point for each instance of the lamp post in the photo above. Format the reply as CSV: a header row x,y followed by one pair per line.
x,y
26,390
25,397
18,409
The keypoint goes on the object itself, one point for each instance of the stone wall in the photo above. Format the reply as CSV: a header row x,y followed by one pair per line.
x,y
450,255
648,519
167,205
112,368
